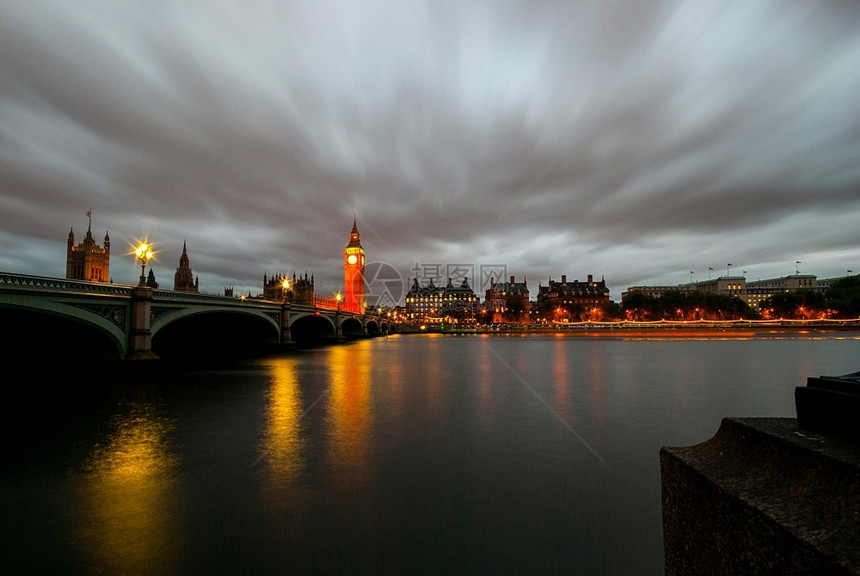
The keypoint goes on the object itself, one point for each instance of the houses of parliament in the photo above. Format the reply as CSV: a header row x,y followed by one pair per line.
x,y
90,262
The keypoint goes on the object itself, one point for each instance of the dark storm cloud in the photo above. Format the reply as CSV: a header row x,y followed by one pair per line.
x,y
635,140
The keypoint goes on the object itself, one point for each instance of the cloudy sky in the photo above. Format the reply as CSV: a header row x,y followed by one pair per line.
x,y
638,141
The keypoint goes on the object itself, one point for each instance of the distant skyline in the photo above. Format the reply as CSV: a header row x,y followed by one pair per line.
x,y
631,140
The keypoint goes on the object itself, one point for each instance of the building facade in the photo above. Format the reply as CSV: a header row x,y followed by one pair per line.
x,y
433,303
507,301
88,261
302,289
588,293
183,279
758,290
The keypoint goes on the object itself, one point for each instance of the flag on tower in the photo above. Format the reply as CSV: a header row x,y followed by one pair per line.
x,y
90,213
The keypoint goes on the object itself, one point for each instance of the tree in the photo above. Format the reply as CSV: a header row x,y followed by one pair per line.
x,y
843,297
636,305
515,308
800,304
678,305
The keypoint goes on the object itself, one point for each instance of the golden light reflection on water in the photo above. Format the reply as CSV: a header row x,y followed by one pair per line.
x,y
129,494
349,409
283,444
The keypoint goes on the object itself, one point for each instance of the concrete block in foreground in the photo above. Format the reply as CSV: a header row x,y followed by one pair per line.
x,y
763,496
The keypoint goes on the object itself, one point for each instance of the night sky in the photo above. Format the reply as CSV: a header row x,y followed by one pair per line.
x,y
636,141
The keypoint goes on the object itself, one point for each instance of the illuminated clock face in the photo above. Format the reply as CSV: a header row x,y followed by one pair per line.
x,y
362,259
352,259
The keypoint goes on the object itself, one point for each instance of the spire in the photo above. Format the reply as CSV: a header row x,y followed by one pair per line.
x,y
354,238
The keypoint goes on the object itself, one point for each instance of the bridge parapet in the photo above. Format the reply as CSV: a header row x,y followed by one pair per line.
x,y
204,298
39,283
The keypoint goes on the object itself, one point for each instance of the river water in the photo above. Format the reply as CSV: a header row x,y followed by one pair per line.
x,y
420,454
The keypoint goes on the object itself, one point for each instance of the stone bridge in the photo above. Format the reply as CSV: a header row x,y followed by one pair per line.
x,y
128,322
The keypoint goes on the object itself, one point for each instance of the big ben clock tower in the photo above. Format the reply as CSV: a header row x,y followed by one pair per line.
x,y
353,271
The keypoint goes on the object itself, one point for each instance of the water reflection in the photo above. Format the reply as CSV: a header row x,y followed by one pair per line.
x,y
283,444
349,415
561,380
484,373
596,381
129,493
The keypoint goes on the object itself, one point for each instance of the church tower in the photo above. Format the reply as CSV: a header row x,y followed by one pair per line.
x,y
183,279
353,272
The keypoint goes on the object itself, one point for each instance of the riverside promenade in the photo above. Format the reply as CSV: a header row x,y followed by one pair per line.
x,y
668,328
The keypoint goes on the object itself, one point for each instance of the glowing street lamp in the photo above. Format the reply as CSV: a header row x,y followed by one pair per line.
x,y
285,287
143,252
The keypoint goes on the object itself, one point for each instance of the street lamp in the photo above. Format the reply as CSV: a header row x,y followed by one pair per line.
x,y
143,252
285,286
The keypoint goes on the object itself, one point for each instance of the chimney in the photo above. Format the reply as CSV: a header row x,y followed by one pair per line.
x,y
590,279
512,280
564,278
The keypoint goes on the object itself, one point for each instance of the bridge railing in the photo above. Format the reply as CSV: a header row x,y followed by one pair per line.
x,y
28,282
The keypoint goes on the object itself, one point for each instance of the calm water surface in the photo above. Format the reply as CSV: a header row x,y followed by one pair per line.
x,y
406,455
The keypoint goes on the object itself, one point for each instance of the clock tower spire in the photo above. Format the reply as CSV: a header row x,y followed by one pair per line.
x,y
353,271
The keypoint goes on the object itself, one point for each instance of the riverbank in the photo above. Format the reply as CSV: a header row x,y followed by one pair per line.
x,y
738,328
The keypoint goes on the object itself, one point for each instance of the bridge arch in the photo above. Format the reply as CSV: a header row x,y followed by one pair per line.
x,y
186,332
373,328
351,328
310,329
64,331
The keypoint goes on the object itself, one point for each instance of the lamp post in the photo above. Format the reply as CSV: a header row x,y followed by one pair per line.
x,y
143,252
285,286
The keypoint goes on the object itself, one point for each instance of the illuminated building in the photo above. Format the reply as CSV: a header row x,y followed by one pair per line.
x,y
496,301
88,261
302,290
437,302
298,290
757,290
353,272
183,279
588,293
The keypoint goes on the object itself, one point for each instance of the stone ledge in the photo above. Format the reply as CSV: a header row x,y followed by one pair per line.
x,y
763,496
